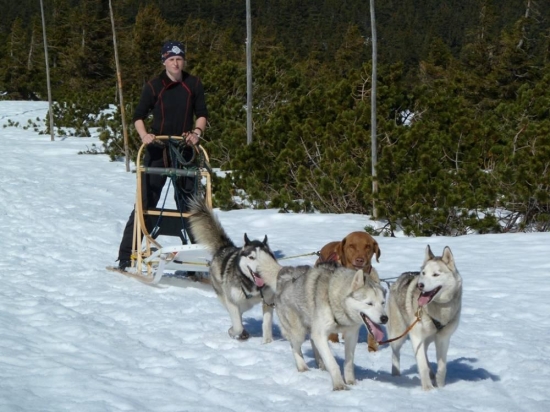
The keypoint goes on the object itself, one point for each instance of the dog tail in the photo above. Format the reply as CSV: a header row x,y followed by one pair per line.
x,y
205,226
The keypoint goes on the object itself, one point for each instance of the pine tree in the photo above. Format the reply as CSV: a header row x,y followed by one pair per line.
x,y
15,73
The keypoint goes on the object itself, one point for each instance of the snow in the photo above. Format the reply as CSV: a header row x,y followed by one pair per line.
x,y
74,337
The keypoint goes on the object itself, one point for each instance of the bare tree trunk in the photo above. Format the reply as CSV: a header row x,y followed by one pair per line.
x,y
248,75
374,143
31,47
119,82
520,44
50,105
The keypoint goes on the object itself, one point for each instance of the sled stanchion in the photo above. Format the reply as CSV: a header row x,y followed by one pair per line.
x,y
149,258
160,270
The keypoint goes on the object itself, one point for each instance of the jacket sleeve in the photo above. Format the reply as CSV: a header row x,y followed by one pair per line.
x,y
146,103
200,101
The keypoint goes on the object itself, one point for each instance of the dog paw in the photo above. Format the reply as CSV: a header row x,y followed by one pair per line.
x,y
301,365
244,335
340,387
440,381
267,340
427,387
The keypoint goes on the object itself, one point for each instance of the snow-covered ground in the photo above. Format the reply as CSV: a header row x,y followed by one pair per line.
x,y
74,337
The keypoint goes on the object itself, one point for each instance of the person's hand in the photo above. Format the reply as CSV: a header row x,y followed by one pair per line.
x,y
148,138
191,138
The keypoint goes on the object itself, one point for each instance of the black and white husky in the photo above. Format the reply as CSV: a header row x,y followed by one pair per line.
x,y
233,272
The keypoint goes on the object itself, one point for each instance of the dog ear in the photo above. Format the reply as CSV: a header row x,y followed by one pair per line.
x,y
333,257
429,255
339,250
448,258
377,250
265,240
246,240
358,280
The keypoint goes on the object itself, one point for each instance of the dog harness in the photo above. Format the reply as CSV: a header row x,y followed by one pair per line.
x,y
437,323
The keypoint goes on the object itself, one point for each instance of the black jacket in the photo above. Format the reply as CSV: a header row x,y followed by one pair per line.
x,y
174,104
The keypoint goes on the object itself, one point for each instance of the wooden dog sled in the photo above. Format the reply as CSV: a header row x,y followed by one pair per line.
x,y
152,261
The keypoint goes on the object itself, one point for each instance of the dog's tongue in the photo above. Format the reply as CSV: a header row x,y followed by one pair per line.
x,y
377,332
259,281
424,299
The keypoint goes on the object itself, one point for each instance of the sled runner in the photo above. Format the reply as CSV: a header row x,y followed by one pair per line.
x,y
150,260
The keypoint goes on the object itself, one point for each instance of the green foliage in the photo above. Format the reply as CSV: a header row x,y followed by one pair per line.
x,y
462,105
94,150
523,175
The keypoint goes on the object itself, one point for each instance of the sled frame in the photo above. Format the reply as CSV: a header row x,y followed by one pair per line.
x,y
149,258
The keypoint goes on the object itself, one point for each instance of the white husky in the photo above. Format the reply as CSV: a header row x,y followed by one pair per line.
x,y
435,296
322,300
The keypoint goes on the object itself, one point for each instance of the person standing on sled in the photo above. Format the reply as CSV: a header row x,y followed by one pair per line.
x,y
176,100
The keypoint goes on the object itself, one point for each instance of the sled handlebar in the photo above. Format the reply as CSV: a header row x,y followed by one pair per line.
x,y
170,171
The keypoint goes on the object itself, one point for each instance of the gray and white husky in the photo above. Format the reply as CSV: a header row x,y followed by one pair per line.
x,y
233,270
437,292
322,300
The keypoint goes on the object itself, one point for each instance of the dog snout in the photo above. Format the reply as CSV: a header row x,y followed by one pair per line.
x,y
359,262
383,319
421,286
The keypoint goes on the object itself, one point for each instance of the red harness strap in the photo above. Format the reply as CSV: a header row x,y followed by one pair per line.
x,y
333,257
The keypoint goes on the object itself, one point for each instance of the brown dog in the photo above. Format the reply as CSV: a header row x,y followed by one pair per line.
x,y
355,251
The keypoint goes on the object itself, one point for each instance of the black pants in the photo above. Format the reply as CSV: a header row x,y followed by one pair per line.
x,y
151,190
